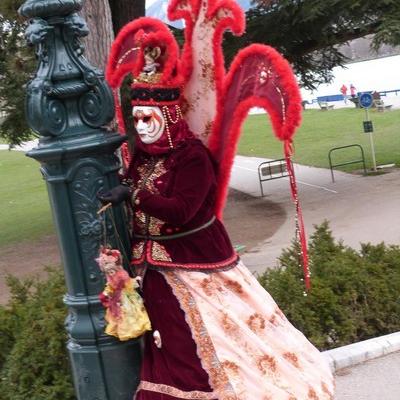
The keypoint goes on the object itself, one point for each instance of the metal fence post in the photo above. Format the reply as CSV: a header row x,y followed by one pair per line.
x,y
68,102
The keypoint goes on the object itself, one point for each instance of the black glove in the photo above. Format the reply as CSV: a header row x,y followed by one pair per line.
x,y
116,195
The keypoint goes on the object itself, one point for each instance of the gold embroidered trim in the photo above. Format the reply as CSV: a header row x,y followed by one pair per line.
x,y
140,219
171,391
159,252
148,173
220,265
137,250
205,348
155,226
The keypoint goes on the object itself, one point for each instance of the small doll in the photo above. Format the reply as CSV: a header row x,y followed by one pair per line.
x,y
150,57
126,315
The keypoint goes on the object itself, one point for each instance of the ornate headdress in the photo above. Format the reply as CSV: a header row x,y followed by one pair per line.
x,y
215,102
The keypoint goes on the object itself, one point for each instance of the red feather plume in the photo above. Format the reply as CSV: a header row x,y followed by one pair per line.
x,y
259,77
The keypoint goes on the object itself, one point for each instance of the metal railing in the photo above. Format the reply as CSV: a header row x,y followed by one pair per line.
x,y
361,160
269,170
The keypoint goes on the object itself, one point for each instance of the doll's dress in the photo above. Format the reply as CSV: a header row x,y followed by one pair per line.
x,y
132,319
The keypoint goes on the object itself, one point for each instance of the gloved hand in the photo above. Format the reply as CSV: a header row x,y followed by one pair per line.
x,y
116,195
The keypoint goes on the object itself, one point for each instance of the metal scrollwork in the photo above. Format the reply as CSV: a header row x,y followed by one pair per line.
x,y
91,228
66,91
94,106
37,31
56,120
36,35
49,8
68,88
91,107
90,78
76,26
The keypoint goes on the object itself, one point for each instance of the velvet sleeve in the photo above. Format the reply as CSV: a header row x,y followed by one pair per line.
x,y
194,177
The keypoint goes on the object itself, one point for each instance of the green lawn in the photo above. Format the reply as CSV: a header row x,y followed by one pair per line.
x,y
24,212
322,130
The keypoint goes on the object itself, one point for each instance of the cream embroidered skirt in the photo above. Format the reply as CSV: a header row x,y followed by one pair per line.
x,y
246,348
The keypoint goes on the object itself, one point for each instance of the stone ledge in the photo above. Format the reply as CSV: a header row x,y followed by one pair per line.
x,y
357,353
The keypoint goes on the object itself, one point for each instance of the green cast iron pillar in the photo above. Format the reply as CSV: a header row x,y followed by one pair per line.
x,y
68,103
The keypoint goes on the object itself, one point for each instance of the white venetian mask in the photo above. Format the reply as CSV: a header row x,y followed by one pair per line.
x,y
149,123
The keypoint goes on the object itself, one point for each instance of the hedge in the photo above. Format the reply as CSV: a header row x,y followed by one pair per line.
x,y
33,360
355,296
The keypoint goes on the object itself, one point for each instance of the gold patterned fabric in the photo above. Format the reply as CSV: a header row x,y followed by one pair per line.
x,y
245,343
171,391
173,203
149,173
159,253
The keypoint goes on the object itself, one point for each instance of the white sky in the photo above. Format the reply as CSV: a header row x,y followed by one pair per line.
x,y
380,74
150,2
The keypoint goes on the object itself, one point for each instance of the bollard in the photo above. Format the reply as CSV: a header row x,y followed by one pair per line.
x,y
68,103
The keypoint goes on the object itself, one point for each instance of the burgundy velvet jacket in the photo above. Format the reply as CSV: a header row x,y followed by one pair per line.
x,y
176,194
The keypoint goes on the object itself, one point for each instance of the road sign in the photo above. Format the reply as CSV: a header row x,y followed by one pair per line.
x,y
366,100
368,126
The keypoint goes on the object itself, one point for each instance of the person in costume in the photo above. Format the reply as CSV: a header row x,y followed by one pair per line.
x,y
217,334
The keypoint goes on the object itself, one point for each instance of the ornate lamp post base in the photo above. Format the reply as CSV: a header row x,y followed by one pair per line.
x,y
68,102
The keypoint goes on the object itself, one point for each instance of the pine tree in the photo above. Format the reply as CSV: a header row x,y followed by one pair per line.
x,y
308,32
17,63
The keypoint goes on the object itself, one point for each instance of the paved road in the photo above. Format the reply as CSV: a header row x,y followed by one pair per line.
x,y
377,379
360,209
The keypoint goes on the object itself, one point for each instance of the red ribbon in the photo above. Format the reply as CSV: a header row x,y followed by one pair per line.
x,y
288,148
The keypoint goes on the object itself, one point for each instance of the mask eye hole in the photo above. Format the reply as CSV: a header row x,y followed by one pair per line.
x,y
135,120
146,119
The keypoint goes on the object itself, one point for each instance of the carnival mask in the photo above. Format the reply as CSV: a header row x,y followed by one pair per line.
x,y
149,123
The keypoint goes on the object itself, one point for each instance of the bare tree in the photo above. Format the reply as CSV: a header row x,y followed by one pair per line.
x,y
97,14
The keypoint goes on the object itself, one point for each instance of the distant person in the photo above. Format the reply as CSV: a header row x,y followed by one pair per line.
x,y
343,90
353,91
376,95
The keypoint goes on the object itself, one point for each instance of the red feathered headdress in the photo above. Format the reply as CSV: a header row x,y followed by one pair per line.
x,y
215,102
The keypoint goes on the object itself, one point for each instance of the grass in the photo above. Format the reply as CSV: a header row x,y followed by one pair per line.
x,y
323,130
24,212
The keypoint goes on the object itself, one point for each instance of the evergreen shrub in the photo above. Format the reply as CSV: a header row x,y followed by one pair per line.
x,y
34,363
355,295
